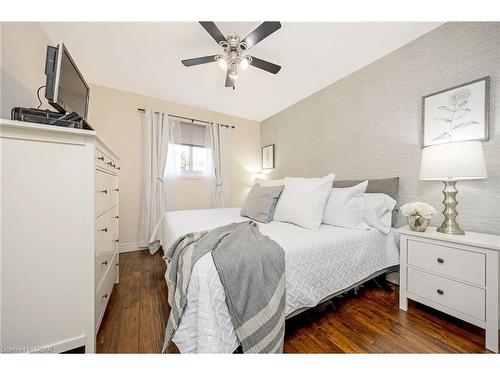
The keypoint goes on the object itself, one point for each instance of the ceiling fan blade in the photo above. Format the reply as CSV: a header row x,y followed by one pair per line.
x,y
199,60
263,31
265,65
214,31
229,80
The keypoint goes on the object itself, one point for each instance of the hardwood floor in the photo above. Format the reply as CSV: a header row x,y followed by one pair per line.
x,y
368,323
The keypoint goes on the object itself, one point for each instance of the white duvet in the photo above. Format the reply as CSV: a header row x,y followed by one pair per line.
x,y
318,263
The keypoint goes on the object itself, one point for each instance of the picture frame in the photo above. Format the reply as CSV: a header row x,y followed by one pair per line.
x,y
459,113
268,157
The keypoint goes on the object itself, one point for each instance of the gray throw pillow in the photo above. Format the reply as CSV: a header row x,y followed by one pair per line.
x,y
261,203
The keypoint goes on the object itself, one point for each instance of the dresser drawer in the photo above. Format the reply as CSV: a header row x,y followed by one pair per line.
x,y
452,294
461,264
104,230
103,260
106,191
116,227
100,159
104,293
115,190
105,162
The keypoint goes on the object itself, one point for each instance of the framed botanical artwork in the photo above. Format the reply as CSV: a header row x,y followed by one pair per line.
x,y
268,157
460,113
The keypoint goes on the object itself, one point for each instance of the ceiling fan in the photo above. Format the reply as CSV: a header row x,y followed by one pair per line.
x,y
234,51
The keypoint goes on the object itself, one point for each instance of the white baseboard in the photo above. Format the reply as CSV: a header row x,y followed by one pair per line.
x,y
128,247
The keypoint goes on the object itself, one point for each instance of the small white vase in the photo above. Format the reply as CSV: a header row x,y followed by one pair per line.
x,y
417,223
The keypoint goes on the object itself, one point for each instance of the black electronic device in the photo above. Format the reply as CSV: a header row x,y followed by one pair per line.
x,y
65,87
40,116
66,91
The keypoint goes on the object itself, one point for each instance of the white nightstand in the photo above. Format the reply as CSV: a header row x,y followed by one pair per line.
x,y
456,274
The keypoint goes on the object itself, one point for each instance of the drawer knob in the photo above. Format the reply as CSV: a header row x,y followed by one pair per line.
x,y
109,163
440,260
116,217
117,240
440,291
100,158
116,189
118,168
104,230
105,295
105,263
105,191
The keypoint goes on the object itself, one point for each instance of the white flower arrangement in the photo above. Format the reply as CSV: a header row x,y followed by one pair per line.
x,y
418,208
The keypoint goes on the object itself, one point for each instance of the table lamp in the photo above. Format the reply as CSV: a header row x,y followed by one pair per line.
x,y
450,162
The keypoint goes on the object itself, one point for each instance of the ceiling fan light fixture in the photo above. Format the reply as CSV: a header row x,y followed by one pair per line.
x,y
244,63
222,63
233,56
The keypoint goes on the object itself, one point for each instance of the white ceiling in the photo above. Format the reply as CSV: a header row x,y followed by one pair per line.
x,y
145,58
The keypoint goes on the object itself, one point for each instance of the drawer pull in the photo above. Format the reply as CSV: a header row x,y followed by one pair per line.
x,y
118,168
440,291
104,230
440,260
105,295
100,158
116,189
105,263
116,217
109,163
105,191
117,240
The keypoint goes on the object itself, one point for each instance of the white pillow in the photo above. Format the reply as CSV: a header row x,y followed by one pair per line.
x,y
303,201
345,206
265,183
379,211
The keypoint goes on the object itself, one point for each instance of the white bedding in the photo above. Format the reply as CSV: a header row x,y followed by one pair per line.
x,y
319,263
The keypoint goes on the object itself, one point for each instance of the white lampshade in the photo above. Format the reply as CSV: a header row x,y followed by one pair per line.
x,y
453,161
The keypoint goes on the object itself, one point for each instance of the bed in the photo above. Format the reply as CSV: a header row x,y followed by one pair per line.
x,y
319,263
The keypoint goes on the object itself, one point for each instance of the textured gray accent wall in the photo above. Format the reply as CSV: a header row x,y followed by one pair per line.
x,y
367,125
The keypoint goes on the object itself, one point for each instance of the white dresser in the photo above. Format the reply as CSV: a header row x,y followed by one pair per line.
x,y
58,260
456,274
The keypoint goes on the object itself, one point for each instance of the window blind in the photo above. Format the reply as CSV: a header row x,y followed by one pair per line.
x,y
192,134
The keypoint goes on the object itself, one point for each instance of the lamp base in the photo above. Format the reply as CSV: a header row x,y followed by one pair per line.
x,y
450,225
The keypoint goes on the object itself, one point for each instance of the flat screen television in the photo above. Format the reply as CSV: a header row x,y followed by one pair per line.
x,y
65,87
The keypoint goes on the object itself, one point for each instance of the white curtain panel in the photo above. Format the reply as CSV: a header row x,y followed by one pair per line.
x,y
210,183
155,132
220,145
173,170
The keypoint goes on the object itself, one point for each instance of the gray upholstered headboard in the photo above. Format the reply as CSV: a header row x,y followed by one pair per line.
x,y
389,186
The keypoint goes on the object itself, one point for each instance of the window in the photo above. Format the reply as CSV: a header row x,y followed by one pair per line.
x,y
191,159
190,152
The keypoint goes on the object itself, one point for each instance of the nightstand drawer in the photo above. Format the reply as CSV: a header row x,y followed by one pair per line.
x,y
452,294
461,264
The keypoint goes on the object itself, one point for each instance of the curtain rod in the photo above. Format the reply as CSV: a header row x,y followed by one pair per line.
x,y
190,119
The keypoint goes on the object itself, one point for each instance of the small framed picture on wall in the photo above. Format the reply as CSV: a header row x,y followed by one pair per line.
x,y
268,157
460,113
